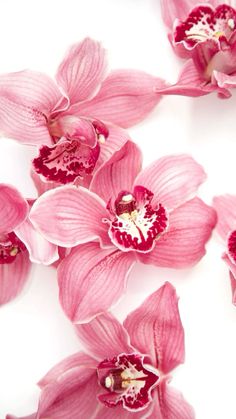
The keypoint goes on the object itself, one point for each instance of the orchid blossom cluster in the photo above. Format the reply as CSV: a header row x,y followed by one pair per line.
x,y
108,213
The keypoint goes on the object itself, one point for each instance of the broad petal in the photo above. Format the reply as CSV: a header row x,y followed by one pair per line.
x,y
119,412
70,395
172,404
76,360
225,206
91,280
155,327
172,10
104,337
26,99
126,97
13,277
82,70
13,208
41,185
68,216
116,139
118,173
184,244
190,83
40,250
172,179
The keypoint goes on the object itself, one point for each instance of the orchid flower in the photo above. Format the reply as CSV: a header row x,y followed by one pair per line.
x,y
74,122
129,215
127,371
225,206
20,243
204,33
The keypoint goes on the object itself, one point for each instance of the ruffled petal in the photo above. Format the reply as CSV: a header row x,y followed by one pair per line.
x,y
13,277
172,179
68,216
126,97
225,206
76,360
118,173
26,100
172,404
41,185
155,328
13,208
82,70
120,413
91,280
40,250
104,337
184,244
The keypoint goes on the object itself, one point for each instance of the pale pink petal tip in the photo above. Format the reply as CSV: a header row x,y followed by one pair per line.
x,y
13,208
225,206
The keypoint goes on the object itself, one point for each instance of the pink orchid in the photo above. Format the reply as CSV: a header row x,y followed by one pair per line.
x,y
204,33
134,215
225,206
74,121
127,371
20,243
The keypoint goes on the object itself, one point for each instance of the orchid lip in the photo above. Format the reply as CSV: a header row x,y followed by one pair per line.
x,y
10,247
128,380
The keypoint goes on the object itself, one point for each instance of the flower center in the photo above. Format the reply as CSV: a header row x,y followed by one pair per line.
x,y
205,23
232,246
136,225
128,381
10,247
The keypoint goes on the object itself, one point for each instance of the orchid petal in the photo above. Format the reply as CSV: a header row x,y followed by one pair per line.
x,y
118,173
70,395
82,70
120,413
172,179
13,208
13,277
68,216
40,250
116,139
155,328
91,280
26,99
33,416
76,360
223,80
41,185
172,403
184,244
104,337
232,274
126,97
172,10
225,206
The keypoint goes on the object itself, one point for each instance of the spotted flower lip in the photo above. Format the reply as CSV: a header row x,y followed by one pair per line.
x,y
225,206
127,371
128,215
20,244
76,122
204,33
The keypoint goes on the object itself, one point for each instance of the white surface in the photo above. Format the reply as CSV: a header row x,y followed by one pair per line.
x,y
34,331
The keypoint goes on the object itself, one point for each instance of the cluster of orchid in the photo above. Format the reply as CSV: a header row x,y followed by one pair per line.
x,y
106,212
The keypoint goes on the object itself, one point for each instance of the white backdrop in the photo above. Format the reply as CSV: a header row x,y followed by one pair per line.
x,y
34,331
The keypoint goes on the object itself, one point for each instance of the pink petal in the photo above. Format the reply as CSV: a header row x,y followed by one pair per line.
x,y
40,250
13,208
232,275
172,10
72,395
76,360
41,185
116,139
120,413
172,179
33,416
155,328
190,83
82,70
118,173
68,216
225,206
224,81
26,99
92,279
184,244
104,337
125,98
13,277
172,404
